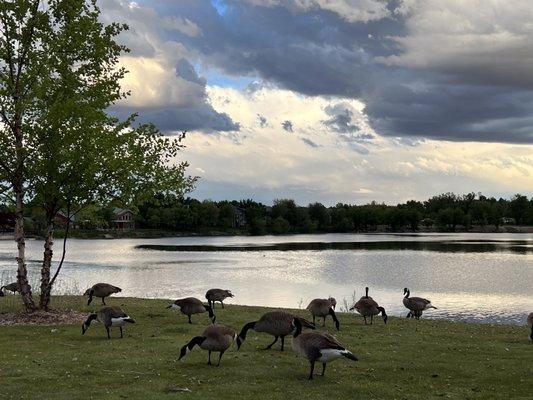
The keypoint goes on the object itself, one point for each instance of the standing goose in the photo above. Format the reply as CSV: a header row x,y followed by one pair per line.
x,y
530,323
415,304
323,308
191,305
275,323
213,295
318,346
101,290
367,307
214,338
109,316
12,287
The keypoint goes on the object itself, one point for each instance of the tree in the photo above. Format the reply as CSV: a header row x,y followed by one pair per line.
x,y
80,154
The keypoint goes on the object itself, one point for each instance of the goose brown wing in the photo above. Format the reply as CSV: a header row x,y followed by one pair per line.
x,y
114,312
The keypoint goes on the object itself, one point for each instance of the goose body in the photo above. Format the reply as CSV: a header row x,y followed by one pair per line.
x,y
190,305
368,307
109,317
276,323
322,308
219,295
530,324
318,347
101,290
12,287
217,338
416,305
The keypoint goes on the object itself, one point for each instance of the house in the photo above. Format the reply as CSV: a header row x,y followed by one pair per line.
x,y
61,219
123,219
508,221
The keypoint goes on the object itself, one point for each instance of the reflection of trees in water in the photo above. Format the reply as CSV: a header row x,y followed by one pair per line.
x,y
463,246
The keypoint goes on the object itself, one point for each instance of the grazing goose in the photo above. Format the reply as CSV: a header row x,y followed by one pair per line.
x,y
12,287
101,290
214,338
318,346
530,323
323,308
191,305
415,304
213,295
109,316
275,323
367,307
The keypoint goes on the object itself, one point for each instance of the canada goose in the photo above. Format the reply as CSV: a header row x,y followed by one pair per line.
x,y
12,287
323,308
214,338
191,305
333,302
367,307
109,316
213,295
275,323
101,290
415,304
318,346
530,323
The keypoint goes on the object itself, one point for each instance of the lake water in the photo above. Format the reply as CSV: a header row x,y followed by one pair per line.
x,y
473,277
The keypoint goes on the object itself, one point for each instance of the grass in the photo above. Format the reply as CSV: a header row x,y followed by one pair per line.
x,y
406,359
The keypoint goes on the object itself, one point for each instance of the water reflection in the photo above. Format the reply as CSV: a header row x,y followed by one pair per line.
x,y
467,276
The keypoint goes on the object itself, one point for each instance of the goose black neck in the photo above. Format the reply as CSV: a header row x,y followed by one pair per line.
x,y
407,293
209,309
245,328
297,327
366,292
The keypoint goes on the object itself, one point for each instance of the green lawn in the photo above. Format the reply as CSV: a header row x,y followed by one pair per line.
x,y
406,359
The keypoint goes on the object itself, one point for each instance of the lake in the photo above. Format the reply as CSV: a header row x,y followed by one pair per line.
x,y
472,277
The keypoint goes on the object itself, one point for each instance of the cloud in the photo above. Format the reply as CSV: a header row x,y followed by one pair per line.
x,y
287,125
262,120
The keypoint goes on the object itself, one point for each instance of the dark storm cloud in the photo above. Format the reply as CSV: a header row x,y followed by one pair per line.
x,y
262,120
318,52
287,125
310,143
341,119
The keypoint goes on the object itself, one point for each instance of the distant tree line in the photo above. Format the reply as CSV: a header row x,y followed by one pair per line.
x,y
445,212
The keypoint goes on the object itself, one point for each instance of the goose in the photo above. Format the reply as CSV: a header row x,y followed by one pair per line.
x,y
275,323
323,308
110,317
530,323
367,307
318,346
191,305
213,295
214,338
101,290
12,287
415,304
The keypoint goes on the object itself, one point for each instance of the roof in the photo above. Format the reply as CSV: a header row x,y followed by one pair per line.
x,y
119,211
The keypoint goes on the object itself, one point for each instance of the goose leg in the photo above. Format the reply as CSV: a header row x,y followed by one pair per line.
x,y
219,358
107,329
222,304
271,344
312,370
314,320
371,318
121,335
364,317
323,368
324,321
282,342
190,322
103,302
209,358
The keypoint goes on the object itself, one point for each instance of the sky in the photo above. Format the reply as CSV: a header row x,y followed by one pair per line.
x,y
336,100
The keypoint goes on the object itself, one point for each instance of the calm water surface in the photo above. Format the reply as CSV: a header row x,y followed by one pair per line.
x,y
474,277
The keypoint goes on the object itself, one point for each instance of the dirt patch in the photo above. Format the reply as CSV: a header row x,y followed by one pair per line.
x,y
55,317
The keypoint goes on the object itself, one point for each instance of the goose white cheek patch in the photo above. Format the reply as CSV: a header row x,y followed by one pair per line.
x,y
176,307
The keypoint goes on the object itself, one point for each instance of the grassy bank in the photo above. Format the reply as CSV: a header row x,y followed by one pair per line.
x,y
407,359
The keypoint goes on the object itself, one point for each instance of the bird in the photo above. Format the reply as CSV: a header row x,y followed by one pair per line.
x,y
323,308
12,287
415,304
101,290
110,317
530,323
275,323
214,338
368,307
318,346
191,305
213,295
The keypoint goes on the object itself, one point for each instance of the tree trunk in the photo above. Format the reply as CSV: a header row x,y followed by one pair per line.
x,y
22,272
44,301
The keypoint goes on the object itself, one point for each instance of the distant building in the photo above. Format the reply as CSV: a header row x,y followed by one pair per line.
x,y
61,219
508,221
240,217
123,219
